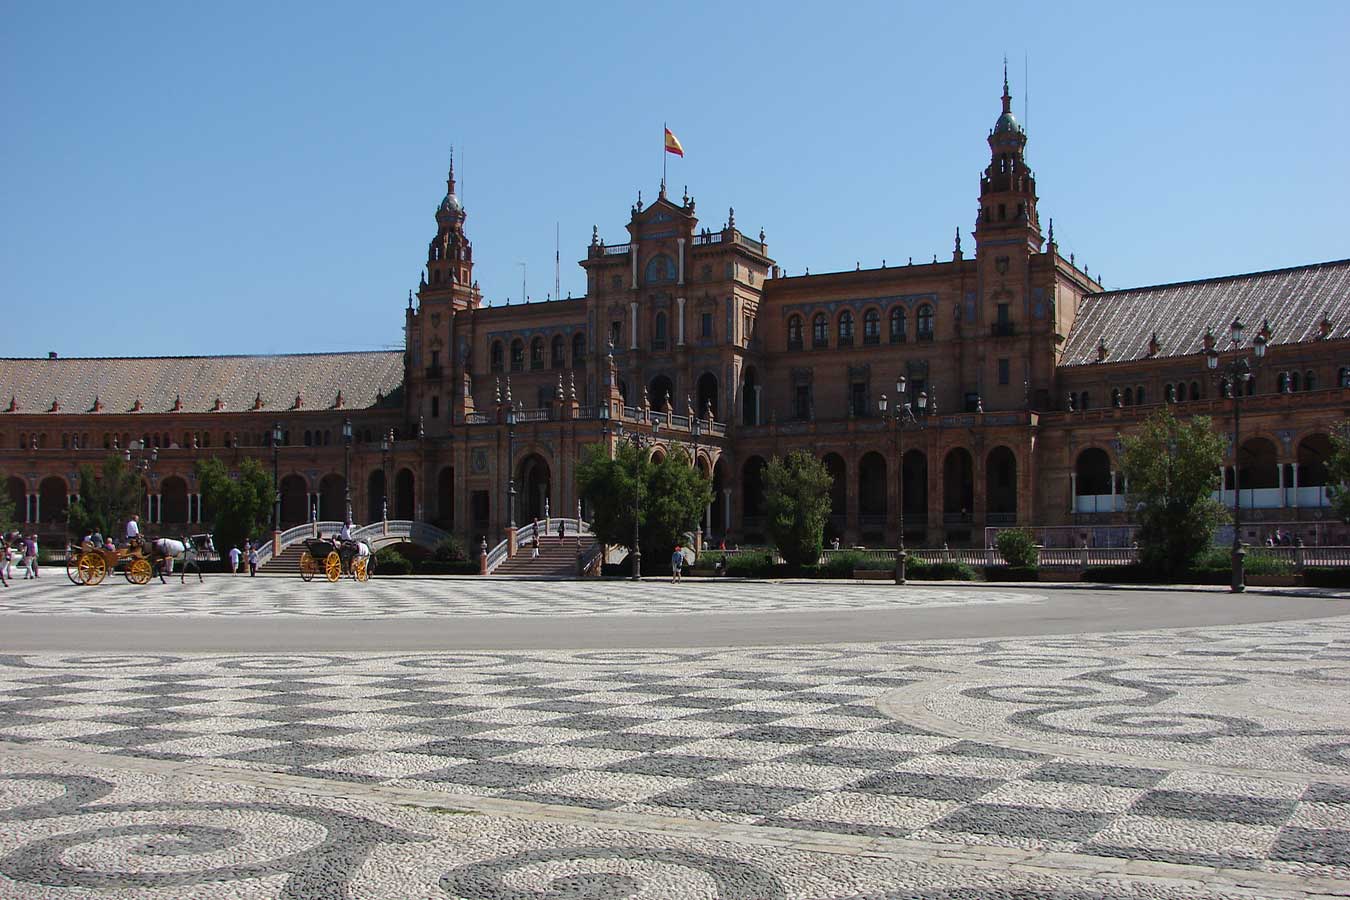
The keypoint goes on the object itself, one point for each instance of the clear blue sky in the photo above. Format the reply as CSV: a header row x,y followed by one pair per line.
x,y
239,178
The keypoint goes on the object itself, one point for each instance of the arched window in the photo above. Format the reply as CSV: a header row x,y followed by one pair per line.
x,y
1282,383
517,355
659,332
537,353
1129,397
794,333
897,325
558,355
1139,395
1195,390
820,331
1084,401
1115,397
309,438
578,349
1293,382
846,329
1343,377
1309,381
871,327
924,317
660,269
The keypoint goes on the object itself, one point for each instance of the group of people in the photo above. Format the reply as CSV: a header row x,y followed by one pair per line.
x,y
14,545
239,555
538,530
1282,538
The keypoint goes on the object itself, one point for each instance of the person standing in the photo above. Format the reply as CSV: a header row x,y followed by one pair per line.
x,y
234,560
252,560
30,551
133,528
534,541
676,564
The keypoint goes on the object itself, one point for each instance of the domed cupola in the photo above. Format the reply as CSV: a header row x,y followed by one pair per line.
x,y
450,205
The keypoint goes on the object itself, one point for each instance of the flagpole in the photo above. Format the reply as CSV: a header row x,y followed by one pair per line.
x,y
664,154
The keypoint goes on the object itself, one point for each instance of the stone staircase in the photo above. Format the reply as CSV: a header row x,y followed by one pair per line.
x,y
557,558
288,563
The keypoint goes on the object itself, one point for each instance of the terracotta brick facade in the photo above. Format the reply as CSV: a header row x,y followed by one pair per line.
x,y
691,336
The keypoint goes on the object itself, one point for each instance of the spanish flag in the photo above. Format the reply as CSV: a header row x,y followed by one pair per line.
x,y
673,143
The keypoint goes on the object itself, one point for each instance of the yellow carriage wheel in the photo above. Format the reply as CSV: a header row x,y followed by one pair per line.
x,y
309,566
332,566
93,568
359,569
139,571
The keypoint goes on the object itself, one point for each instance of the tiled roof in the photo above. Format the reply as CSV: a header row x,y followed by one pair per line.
x,y
159,382
1294,301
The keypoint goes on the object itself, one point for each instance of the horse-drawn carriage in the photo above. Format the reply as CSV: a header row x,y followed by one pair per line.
x,y
140,560
334,558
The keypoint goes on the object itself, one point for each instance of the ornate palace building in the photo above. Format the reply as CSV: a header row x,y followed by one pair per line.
x,y
691,336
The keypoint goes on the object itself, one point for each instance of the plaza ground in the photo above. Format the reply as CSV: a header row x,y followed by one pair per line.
x,y
491,739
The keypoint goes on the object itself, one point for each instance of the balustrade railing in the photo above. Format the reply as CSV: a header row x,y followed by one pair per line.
x,y
615,249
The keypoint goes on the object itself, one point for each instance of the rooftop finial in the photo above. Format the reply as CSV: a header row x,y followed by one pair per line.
x,y
450,179
1007,97
1052,232
958,240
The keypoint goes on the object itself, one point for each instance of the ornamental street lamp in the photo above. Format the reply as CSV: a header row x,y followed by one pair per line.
x,y
639,442
511,465
386,446
347,469
903,417
1236,373
140,463
277,435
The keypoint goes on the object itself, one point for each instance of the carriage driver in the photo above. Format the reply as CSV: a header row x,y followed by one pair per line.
x,y
347,546
133,529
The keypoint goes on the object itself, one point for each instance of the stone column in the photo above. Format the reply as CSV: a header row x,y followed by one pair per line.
x,y
707,519
1113,490
1295,473
726,510
35,505
1280,470
758,393
680,261
632,255
633,325
1073,493
679,315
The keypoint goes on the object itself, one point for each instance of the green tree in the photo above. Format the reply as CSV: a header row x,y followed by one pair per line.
x,y
239,507
7,522
108,497
1338,471
668,496
1017,546
797,506
1172,468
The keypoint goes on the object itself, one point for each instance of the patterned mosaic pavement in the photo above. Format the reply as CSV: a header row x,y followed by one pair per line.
x,y
1209,762
433,598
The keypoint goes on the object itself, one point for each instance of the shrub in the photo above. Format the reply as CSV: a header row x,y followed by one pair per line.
x,y
449,550
943,571
441,567
1011,573
389,561
754,564
1018,548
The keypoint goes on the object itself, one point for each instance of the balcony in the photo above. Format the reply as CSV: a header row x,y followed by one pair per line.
x,y
1003,329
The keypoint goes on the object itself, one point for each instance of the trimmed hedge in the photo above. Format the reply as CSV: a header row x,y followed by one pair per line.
x,y
389,561
1318,576
441,567
1011,573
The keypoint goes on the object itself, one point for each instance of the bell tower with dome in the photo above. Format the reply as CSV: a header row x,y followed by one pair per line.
x,y
438,386
1008,186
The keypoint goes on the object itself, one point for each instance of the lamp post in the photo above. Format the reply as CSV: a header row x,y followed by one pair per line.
x,y
638,442
511,465
902,417
141,464
386,445
347,469
1236,373
277,435
695,424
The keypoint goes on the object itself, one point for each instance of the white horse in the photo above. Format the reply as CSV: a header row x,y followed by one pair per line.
x,y
188,549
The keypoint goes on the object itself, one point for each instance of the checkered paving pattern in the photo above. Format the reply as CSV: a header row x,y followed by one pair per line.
x,y
224,595
787,737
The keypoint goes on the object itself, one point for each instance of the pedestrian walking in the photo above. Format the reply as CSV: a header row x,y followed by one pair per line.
x,y
30,550
676,564
252,560
534,541
133,528
562,529
234,560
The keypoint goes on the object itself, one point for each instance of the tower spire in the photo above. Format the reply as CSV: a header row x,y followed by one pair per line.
x,y
450,178
1007,97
